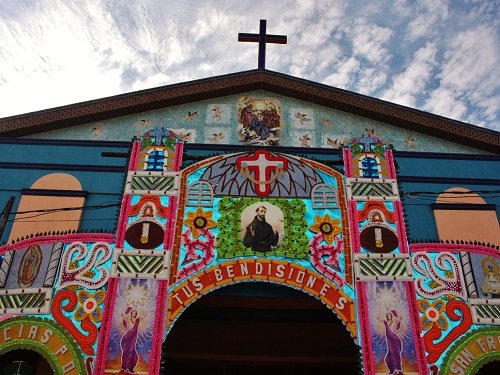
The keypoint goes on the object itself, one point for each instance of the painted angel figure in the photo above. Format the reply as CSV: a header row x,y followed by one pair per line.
x,y
391,319
128,342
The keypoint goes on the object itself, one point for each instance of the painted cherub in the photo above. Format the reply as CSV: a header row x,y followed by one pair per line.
x,y
302,117
190,116
304,140
218,111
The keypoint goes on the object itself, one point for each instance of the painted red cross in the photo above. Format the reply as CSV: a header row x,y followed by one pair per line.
x,y
262,165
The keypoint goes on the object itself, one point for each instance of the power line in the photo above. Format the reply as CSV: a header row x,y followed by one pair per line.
x,y
62,220
89,192
468,192
42,212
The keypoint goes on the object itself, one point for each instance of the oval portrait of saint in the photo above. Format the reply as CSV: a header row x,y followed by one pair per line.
x,y
30,266
262,227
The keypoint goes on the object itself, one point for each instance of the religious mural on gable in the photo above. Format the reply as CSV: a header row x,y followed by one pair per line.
x,y
190,116
218,135
186,134
330,136
221,122
260,121
302,127
334,141
218,114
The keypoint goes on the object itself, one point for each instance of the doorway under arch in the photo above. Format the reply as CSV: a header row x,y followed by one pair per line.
x,y
24,362
490,368
259,328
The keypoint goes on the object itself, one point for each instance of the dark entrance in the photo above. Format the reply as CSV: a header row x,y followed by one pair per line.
x,y
490,368
259,328
24,362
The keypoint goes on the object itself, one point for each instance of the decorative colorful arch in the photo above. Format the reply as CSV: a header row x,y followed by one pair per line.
x,y
473,351
46,338
263,270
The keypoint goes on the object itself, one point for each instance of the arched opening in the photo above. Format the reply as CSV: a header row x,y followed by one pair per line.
x,y
462,214
258,328
24,362
490,368
53,203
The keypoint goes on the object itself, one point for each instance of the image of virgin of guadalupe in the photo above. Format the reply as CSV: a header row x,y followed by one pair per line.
x,y
128,342
30,266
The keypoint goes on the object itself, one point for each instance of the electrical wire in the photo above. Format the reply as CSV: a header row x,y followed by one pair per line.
x,y
89,192
55,210
63,220
422,196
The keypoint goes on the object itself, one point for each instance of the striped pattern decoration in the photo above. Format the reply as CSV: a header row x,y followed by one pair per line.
x,y
371,189
153,183
378,268
363,189
468,274
34,301
485,311
140,266
488,311
53,265
158,183
5,266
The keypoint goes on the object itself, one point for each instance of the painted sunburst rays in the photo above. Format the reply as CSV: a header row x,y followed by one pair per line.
x,y
327,226
200,221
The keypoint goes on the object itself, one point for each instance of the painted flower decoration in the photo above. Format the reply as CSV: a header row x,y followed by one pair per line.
x,y
89,305
327,226
433,314
199,220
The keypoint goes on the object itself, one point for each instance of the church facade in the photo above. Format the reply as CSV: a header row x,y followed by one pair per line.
x,y
123,214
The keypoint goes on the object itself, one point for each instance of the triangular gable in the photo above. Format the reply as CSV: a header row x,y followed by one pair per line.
x,y
363,112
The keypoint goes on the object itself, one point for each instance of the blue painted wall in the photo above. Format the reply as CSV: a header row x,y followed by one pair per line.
x,y
421,177
22,162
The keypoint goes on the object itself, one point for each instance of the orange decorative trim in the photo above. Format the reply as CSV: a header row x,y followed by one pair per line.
x,y
376,205
154,199
276,271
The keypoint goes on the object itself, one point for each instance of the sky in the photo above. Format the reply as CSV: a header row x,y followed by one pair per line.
x,y
439,56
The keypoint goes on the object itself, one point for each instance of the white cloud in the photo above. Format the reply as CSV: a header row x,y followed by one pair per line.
x,y
344,74
428,14
469,75
411,83
444,54
444,102
369,41
370,80
472,59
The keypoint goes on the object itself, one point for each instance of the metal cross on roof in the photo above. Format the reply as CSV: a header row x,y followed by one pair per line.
x,y
262,38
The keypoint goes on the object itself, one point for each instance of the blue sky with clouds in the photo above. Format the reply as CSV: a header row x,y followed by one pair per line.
x,y
440,56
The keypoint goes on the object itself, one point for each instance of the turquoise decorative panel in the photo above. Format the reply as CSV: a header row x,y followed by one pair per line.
x,y
259,118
